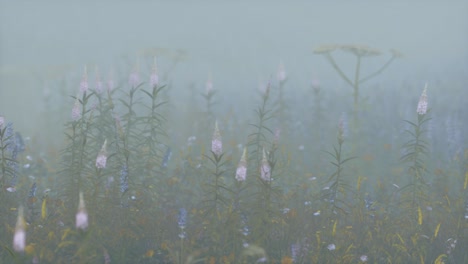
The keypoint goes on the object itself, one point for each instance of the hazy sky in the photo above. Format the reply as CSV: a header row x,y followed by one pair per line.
x,y
237,41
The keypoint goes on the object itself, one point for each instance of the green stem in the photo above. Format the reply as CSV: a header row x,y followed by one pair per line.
x,y
379,71
337,68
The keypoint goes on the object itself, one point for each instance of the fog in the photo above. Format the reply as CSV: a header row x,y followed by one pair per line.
x,y
266,131
237,43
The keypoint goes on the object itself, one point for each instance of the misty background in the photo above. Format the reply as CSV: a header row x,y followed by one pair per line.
x,y
44,45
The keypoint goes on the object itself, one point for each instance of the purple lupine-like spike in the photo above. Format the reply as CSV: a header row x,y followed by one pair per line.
x,y
124,179
182,218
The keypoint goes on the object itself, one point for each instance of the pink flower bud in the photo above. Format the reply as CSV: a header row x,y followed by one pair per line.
x,y
281,75
76,110
81,215
216,144
422,104
19,238
241,172
154,78
84,81
101,159
265,168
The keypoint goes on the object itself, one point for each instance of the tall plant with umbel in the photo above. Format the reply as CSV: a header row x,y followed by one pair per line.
x,y
360,52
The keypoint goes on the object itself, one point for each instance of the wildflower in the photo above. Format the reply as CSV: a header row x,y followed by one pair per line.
x,y
209,85
245,229
331,247
99,85
124,179
342,126
84,81
154,78
216,144
317,213
363,258
19,239
295,250
241,172
101,159
110,82
281,75
81,215
106,256
277,136
32,191
134,78
76,110
166,158
315,84
265,169
422,105
182,219
191,140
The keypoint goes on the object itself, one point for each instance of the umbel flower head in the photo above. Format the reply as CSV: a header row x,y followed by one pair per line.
x,y
19,239
81,215
241,172
265,169
101,159
216,144
422,105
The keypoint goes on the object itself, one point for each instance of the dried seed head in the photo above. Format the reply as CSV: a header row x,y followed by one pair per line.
x,y
422,104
